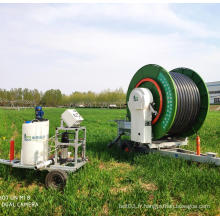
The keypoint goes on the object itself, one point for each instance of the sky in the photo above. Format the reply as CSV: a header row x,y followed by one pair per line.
x,y
94,47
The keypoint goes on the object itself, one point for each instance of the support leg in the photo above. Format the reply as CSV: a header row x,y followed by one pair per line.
x,y
114,141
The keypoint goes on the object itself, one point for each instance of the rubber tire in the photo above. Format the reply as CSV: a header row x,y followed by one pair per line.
x,y
56,179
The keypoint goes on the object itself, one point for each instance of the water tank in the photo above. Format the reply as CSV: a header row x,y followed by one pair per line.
x,y
35,136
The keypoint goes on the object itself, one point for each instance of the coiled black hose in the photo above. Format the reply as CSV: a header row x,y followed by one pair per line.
x,y
188,103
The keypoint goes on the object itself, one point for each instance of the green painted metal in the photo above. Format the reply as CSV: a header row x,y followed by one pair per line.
x,y
204,95
163,78
167,86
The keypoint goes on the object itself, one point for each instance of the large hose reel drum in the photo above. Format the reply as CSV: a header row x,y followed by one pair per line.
x,y
180,96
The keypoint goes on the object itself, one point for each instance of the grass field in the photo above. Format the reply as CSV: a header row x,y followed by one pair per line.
x,y
113,182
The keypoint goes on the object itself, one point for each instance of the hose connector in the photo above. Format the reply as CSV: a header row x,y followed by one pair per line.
x,y
43,164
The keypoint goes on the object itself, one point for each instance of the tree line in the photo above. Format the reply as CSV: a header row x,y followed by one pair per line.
x,y
54,97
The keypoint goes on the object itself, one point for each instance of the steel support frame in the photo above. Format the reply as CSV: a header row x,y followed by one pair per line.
x,y
189,155
78,162
168,147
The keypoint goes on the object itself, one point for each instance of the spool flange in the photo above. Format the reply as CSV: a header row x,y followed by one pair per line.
x,y
204,97
169,96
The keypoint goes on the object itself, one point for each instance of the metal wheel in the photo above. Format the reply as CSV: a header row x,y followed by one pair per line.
x,y
56,179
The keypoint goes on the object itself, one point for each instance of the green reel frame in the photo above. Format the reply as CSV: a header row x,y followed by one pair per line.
x,y
158,80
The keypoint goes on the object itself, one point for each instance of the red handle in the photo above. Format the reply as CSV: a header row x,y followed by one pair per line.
x,y
12,149
198,145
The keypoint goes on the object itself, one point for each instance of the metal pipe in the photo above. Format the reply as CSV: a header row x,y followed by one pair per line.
x,y
43,164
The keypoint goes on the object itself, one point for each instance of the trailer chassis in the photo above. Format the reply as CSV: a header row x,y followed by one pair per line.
x,y
168,146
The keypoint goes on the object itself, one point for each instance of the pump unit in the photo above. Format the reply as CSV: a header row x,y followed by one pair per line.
x,y
66,152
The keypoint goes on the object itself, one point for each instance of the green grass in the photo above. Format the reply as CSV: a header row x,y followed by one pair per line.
x,y
112,179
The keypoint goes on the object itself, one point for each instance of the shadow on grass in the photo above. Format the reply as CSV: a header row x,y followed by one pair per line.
x,y
101,151
26,176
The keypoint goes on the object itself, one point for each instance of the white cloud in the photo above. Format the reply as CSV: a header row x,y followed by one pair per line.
x,y
45,49
158,14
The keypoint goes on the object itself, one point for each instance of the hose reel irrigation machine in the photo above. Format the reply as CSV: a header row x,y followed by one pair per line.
x,y
37,154
163,109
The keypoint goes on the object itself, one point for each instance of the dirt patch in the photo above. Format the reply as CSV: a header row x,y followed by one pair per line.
x,y
58,211
124,189
218,212
119,179
105,209
151,198
173,214
123,167
195,214
31,187
82,193
17,187
148,186
214,107
102,166
15,134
